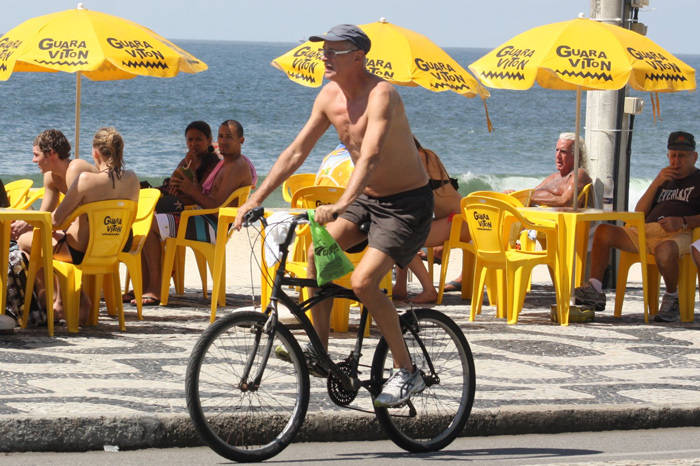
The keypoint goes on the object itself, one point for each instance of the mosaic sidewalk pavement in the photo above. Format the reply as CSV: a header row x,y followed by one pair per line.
x,y
534,364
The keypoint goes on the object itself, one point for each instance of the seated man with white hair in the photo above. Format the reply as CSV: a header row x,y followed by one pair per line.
x,y
557,190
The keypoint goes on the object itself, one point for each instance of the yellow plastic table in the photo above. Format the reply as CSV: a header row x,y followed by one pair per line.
x,y
573,245
41,220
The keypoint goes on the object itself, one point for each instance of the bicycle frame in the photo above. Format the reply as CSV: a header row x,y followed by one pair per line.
x,y
350,381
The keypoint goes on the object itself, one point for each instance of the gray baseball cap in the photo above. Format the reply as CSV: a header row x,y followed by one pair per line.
x,y
348,32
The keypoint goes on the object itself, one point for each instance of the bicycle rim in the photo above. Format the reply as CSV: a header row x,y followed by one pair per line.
x,y
437,415
239,424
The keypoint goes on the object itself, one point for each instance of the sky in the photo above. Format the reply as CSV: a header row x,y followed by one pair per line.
x,y
449,23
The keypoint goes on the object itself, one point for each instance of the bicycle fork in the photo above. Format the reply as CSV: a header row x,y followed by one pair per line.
x,y
269,330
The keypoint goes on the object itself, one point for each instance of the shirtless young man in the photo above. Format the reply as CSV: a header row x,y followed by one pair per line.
x,y
233,172
51,154
557,190
388,187
108,180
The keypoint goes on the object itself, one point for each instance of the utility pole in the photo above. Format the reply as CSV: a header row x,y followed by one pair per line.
x,y
609,120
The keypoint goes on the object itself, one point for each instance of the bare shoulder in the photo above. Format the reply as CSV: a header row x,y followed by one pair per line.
x,y
132,184
584,176
81,165
50,181
76,167
381,89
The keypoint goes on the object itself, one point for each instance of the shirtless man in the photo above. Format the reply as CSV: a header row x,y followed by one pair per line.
x,y
51,154
388,187
557,190
106,180
233,172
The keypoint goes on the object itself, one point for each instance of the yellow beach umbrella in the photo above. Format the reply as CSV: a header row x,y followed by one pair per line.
x,y
96,45
399,55
583,54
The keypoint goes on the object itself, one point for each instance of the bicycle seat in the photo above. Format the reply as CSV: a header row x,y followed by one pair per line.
x,y
359,247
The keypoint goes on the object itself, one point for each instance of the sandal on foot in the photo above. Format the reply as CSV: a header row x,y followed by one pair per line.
x,y
452,286
424,257
128,297
147,301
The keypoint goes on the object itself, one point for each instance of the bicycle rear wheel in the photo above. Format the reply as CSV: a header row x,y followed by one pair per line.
x,y
432,419
237,420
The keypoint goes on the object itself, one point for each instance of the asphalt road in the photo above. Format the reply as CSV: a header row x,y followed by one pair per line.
x,y
639,448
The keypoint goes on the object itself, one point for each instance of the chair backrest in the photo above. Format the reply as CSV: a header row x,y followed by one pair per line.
x,y
296,182
509,198
238,197
148,198
17,191
585,195
490,220
110,222
314,196
524,196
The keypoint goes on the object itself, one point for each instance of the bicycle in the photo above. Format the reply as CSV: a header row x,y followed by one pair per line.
x,y
234,378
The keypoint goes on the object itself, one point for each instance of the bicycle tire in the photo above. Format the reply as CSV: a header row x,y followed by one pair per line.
x,y
442,408
238,424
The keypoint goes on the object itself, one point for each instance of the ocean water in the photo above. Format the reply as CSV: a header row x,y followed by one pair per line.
x,y
151,114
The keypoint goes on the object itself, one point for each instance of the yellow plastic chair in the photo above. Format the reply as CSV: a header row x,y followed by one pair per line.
x,y
17,192
148,198
303,198
296,182
523,195
584,196
204,251
34,195
468,249
583,200
110,223
490,220
686,282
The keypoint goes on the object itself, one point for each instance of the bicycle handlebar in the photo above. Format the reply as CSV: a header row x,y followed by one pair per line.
x,y
258,213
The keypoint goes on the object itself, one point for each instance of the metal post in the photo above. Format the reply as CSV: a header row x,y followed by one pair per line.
x,y
604,129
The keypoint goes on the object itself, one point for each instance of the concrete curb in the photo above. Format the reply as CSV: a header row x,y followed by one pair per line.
x,y
142,431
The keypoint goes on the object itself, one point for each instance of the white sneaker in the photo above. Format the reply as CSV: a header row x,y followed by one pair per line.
x,y
399,388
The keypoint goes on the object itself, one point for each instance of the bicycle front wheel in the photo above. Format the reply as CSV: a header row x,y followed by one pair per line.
x,y
432,419
237,419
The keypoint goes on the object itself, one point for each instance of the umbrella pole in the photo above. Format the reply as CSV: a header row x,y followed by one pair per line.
x,y
576,148
576,162
77,115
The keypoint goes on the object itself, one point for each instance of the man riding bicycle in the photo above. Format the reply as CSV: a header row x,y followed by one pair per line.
x,y
389,188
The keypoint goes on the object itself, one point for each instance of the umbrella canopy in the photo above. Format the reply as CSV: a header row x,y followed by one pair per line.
x,y
398,55
99,46
583,54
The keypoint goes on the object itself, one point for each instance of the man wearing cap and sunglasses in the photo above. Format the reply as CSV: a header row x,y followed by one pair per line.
x,y
672,208
388,188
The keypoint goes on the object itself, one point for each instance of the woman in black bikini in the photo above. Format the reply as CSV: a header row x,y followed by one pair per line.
x,y
447,200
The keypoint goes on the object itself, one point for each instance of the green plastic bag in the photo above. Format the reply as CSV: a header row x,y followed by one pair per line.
x,y
331,261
